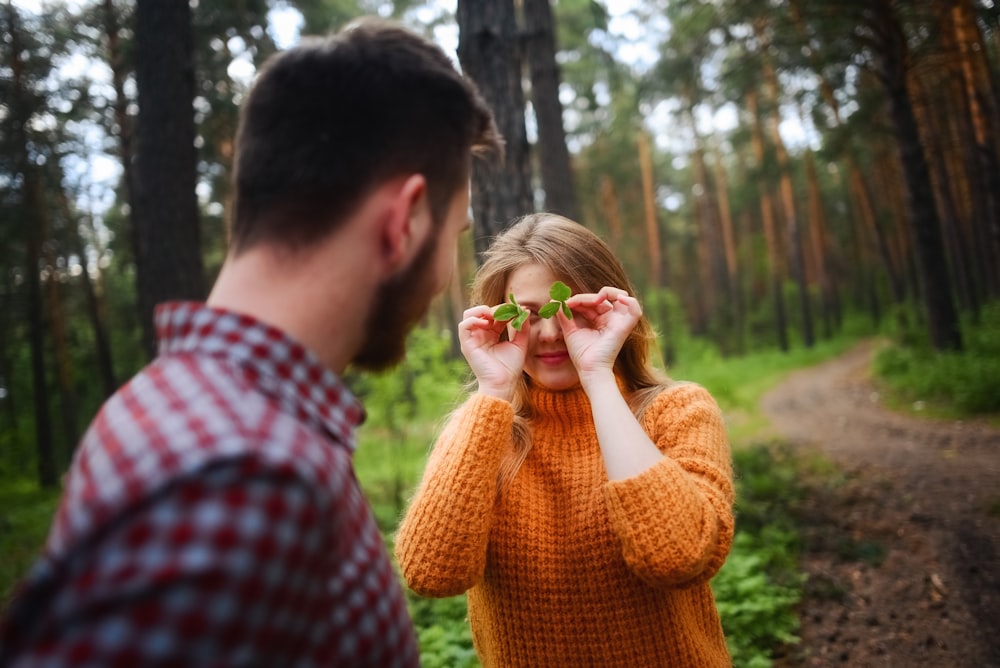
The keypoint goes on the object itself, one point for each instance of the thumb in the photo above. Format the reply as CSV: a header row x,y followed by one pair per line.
x,y
567,325
520,337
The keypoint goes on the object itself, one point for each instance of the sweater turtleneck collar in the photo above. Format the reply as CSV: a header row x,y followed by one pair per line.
x,y
571,403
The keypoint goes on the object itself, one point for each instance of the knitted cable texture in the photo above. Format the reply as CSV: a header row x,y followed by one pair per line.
x,y
567,569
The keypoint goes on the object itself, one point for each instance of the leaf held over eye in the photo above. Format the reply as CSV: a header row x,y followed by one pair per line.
x,y
505,312
511,311
519,320
560,292
549,310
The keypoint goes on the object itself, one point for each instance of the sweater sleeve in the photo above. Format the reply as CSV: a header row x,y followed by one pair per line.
x,y
675,520
441,541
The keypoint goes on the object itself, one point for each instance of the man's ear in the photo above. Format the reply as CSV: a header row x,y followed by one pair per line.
x,y
407,220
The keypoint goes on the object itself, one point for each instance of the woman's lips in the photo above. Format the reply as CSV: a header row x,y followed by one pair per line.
x,y
553,359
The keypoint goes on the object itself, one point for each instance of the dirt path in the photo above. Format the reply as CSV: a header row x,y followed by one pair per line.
x,y
903,551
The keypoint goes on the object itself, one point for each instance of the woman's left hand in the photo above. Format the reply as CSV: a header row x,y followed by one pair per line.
x,y
601,323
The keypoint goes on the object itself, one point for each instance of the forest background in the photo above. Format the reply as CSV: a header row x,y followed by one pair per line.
x,y
779,177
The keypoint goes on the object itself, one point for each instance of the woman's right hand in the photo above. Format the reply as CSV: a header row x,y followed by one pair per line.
x,y
496,364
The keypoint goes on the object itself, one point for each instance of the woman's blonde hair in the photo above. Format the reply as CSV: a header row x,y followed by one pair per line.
x,y
582,260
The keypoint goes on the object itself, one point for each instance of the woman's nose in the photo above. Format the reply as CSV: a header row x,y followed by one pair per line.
x,y
549,330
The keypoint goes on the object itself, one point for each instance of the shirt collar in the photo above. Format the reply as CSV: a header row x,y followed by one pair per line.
x,y
270,359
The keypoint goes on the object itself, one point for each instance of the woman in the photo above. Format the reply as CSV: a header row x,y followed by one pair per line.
x,y
581,498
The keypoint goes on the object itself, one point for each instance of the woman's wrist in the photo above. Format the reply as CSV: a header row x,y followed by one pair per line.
x,y
502,393
597,379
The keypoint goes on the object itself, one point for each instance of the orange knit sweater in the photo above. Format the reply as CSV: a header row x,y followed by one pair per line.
x,y
567,569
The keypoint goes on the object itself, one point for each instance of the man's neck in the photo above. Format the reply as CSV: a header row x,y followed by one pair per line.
x,y
315,296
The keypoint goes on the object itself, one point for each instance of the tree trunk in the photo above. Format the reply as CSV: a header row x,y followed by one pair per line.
x,y
9,400
795,253
33,202
95,311
787,197
489,54
657,270
702,297
60,340
125,128
166,232
729,243
767,218
126,154
649,206
44,443
863,279
715,285
458,298
553,155
890,181
932,137
941,313
860,191
818,234
865,212
612,211
978,82
968,183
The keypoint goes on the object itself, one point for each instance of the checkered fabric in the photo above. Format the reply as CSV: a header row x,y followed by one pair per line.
x,y
212,517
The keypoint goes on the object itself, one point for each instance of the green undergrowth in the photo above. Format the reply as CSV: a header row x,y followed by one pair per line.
x,y
25,515
738,383
443,632
760,584
756,590
954,385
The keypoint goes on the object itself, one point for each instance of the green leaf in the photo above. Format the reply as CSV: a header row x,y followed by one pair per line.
x,y
506,312
519,320
560,291
567,312
549,310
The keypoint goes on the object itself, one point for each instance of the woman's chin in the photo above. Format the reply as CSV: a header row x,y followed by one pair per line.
x,y
555,381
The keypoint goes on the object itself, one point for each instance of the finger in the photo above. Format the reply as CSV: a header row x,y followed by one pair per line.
x,y
631,303
568,326
519,338
479,310
599,302
589,309
611,292
584,299
619,299
583,319
472,323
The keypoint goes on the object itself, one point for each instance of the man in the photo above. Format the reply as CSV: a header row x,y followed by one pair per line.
x,y
212,515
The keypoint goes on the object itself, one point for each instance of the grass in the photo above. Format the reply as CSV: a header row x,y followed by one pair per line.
x,y
739,383
914,377
25,515
760,584
389,466
757,589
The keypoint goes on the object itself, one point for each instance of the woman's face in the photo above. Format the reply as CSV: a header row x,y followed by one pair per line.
x,y
547,363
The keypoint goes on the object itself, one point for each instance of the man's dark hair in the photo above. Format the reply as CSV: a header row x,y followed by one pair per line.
x,y
330,119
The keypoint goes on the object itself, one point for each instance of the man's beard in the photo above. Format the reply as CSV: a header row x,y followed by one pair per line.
x,y
400,302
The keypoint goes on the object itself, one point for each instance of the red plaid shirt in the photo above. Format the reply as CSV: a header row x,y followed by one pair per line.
x,y
212,517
